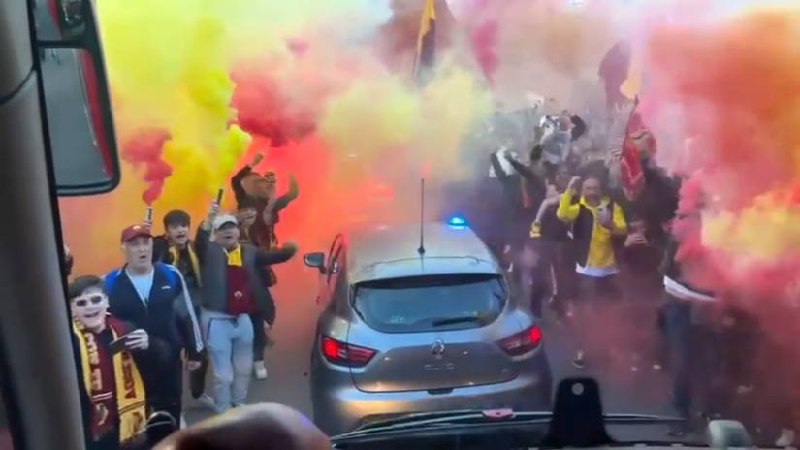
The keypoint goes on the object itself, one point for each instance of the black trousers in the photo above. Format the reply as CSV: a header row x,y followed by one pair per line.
x,y
164,386
197,378
108,442
553,258
259,337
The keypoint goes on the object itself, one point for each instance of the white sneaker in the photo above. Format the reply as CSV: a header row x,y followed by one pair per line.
x,y
786,438
204,401
260,370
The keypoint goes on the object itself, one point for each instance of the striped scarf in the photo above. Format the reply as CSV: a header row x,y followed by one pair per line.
x,y
128,386
193,260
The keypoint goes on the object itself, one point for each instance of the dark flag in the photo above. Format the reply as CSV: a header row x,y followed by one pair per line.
x,y
426,44
613,71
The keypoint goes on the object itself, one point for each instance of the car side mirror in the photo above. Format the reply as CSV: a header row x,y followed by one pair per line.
x,y
315,260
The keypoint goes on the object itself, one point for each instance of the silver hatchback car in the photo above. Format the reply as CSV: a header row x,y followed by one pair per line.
x,y
405,331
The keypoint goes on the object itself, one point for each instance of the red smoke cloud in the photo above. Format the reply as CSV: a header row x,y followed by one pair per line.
x,y
732,87
145,151
263,110
483,39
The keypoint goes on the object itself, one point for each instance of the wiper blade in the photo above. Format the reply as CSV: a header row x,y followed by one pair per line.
x,y
448,416
455,320
435,420
644,419
427,421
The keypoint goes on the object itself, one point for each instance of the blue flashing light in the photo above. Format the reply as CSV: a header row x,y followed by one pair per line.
x,y
457,223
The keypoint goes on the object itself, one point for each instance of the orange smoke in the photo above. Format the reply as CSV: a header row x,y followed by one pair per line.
x,y
730,88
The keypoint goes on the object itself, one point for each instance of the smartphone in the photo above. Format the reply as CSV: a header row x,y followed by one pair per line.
x,y
604,213
119,344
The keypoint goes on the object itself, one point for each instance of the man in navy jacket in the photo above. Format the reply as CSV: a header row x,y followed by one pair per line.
x,y
154,297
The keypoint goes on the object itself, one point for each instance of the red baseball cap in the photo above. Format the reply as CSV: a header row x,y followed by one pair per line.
x,y
134,231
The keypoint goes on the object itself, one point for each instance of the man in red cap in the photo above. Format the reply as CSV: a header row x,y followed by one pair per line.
x,y
154,297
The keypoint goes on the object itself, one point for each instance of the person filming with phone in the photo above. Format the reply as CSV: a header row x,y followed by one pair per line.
x,y
112,391
596,222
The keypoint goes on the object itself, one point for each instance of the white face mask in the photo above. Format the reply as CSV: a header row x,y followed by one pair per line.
x,y
90,309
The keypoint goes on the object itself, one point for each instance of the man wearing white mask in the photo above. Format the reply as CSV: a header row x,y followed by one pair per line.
x,y
107,354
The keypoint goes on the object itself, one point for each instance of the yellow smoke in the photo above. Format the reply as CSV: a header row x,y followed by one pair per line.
x,y
764,232
185,89
169,63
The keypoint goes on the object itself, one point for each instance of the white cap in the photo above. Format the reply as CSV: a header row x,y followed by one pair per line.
x,y
223,219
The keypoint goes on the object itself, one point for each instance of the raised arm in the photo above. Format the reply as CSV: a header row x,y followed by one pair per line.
x,y
276,256
284,200
204,232
567,210
498,169
236,180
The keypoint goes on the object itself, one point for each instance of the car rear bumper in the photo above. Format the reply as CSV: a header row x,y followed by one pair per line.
x,y
340,407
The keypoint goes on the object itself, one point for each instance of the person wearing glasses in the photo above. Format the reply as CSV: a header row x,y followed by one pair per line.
x,y
112,392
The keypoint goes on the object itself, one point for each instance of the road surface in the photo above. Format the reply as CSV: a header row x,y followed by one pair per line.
x,y
623,389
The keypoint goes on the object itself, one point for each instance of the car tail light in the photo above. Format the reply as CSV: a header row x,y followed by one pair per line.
x,y
521,343
339,353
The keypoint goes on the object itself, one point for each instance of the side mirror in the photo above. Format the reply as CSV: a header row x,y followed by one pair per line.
x,y
74,88
315,260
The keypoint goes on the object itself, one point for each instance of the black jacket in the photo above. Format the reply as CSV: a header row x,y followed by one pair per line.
x,y
534,186
214,263
167,315
673,269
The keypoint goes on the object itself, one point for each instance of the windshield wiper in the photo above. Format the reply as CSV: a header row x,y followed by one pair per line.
x,y
455,320
436,420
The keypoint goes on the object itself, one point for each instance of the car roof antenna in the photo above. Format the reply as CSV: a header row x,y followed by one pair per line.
x,y
421,249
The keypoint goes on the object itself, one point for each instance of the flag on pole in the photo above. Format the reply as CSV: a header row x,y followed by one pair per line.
x,y
637,138
613,70
426,44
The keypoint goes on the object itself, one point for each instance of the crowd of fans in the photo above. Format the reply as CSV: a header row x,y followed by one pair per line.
x,y
582,248
176,304
575,243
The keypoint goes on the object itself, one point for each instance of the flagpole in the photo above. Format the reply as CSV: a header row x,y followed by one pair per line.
x,y
426,27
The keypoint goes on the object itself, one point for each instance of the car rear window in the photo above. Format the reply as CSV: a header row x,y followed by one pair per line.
x,y
431,302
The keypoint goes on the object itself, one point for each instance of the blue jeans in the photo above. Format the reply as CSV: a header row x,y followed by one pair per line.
x,y
230,350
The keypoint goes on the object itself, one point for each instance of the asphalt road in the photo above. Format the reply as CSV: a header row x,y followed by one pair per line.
x,y
624,388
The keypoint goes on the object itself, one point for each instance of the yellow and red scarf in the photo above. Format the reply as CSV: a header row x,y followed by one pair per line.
x,y
193,260
129,387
